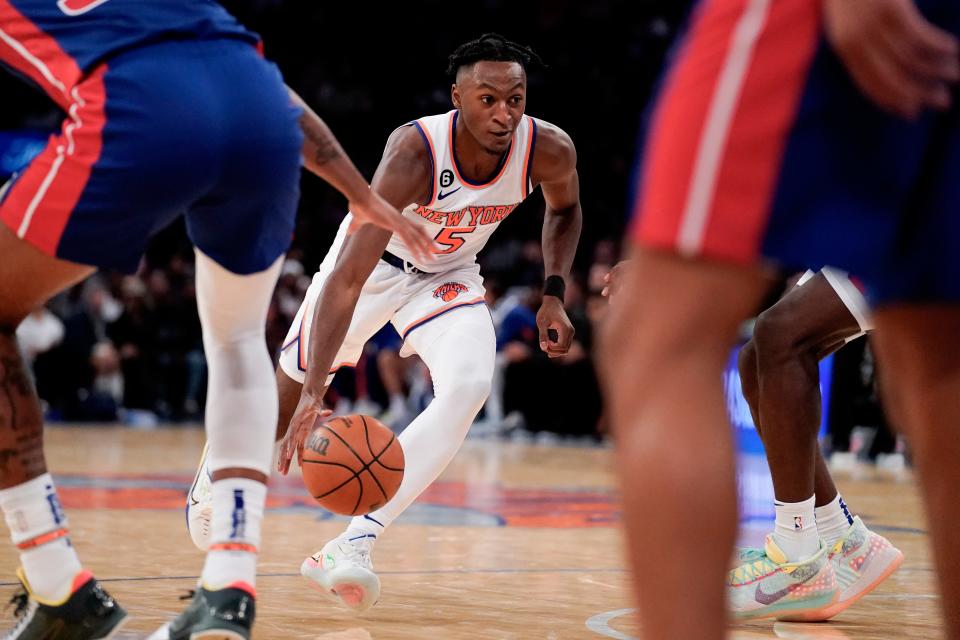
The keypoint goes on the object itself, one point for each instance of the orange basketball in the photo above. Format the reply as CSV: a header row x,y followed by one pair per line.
x,y
352,465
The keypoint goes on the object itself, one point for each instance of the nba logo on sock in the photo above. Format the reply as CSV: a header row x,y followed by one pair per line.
x,y
846,512
55,508
797,522
239,516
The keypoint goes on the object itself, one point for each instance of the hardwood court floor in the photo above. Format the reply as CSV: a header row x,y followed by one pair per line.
x,y
514,542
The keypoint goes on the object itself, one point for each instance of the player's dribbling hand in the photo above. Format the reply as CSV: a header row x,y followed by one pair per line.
x,y
896,57
377,211
552,317
301,424
611,281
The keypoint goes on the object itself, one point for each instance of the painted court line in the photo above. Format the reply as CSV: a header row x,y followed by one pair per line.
x,y
386,573
600,624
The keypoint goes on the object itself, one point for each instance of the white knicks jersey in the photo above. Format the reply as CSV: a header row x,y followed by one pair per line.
x,y
461,215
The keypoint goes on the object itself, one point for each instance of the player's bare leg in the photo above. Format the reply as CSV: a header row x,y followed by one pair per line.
x,y
663,350
781,382
51,572
21,425
750,385
919,353
780,373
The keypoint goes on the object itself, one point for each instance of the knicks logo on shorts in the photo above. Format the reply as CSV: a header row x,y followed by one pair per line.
x,y
448,291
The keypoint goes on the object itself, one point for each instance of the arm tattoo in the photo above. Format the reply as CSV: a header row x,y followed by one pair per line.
x,y
15,385
326,146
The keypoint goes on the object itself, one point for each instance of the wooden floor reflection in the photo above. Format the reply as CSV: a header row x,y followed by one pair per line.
x,y
515,542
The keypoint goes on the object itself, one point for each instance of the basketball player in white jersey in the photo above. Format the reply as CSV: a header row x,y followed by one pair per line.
x,y
458,174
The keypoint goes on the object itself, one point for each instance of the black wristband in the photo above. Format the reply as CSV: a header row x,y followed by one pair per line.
x,y
554,286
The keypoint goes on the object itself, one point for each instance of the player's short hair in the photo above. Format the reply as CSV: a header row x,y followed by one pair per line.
x,y
492,47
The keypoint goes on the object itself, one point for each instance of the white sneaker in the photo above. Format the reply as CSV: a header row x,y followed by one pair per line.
x,y
200,504
343,572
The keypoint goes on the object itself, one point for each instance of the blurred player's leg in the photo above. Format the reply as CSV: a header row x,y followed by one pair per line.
x,y
374,308
56,586
459,349
668,336
781,381
200,496
240,419
919,352
241,224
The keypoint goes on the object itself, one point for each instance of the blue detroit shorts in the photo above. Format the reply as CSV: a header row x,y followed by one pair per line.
x,y
761,149
203,129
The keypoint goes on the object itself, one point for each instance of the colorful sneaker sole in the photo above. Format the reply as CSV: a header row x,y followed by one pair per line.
x,y
870,581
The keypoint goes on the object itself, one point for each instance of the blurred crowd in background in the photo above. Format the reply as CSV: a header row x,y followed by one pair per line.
x,y
128,348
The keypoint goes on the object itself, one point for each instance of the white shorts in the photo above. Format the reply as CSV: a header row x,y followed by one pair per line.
x,y
409,301
849,293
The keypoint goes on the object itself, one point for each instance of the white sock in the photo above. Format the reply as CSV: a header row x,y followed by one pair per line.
x,y
38,526
365,528
398,404
235,533
833,520
795,531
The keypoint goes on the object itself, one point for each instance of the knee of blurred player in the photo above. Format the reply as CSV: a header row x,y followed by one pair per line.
x,y
774,335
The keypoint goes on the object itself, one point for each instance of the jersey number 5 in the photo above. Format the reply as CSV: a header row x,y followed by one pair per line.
x,y
450,238
76,7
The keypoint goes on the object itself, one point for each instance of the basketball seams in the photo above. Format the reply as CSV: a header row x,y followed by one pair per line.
x,y
352,477
376,458
366,466
366,435
345,443
359,495
356,474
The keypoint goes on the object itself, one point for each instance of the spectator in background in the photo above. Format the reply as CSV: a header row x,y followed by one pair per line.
x,y
557,395
132,334
179,367
392,372
103,400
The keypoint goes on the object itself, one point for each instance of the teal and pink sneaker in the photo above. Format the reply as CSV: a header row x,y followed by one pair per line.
x,y
861,560
765,585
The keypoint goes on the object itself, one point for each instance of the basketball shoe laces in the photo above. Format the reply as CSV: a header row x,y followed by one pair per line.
x,y
358,552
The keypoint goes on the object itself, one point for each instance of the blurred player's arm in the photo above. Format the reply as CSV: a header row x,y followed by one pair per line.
x,y
899,59
323,156
403,177
555,169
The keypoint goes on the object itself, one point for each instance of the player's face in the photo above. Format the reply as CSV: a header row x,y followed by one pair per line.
x,y
491,97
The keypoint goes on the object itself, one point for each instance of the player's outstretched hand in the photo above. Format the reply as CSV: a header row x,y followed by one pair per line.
x,y
611,281
556,331
301,424
373,209
899,59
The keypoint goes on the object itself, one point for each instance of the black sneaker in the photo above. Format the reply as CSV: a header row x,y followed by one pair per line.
x,y
224,614
88,614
